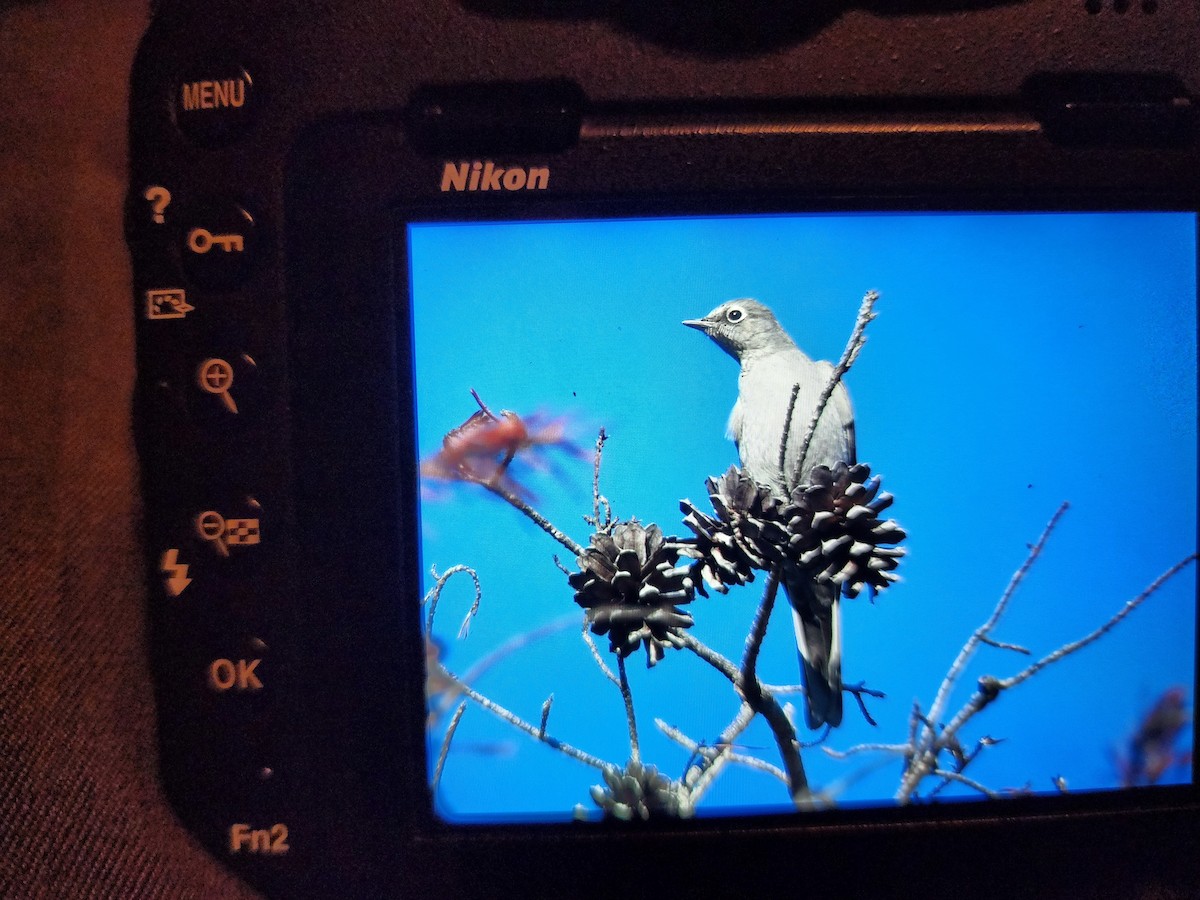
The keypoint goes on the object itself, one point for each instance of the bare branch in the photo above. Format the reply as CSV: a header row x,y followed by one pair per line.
x,y
895,749
732,731
509,647
725,666
532,514
758,629
435,594
599,501
989,689
635,753
937,710
1001,645
1130,606
763,703
697,749
450,729
853,346
969,782
587,639
700,780
759,765
783,690
787,430
519,642
545,717
483,406
517,722
693,747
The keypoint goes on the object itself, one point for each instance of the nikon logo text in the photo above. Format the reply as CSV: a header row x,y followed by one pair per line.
x,y
487,176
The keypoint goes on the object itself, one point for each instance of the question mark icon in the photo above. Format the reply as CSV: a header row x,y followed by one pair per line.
x,y
159,197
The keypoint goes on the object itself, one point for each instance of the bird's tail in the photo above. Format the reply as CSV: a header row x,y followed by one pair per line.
x,y
817,617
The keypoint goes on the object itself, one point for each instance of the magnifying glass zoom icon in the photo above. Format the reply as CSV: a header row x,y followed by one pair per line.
x,y
210,526
215,376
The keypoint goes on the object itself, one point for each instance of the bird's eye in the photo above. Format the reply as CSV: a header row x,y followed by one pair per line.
x,y
735,314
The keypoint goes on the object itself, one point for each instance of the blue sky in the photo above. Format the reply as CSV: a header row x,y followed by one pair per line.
x,y
1018,361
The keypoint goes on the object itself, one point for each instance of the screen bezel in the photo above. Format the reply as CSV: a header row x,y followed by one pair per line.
x,y
347,277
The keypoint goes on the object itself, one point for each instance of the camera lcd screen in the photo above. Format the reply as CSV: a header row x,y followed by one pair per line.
x,y
1025,398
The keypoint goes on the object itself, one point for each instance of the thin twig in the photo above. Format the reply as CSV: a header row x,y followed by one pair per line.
x,y
532,514
853,346
990,688
1074,646
782,690
509,647
483,406
969,782
937,710
693,747
435,594
725,666
787,430
518,642
517,722
759,765
450,729
897,749
598,500
763,703
698,780
545,717
635,753
758,629
835,789
1002,645
587,638
750,762
915,718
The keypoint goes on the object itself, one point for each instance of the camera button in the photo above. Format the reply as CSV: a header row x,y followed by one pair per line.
x,y
218,243
215,103
229,391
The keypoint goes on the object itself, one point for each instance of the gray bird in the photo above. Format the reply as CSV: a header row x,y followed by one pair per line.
x,y
771,364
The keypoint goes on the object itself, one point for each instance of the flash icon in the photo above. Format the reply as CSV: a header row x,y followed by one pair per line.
x,y
167,303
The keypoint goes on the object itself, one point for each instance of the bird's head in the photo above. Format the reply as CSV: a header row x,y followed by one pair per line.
x,y
743,327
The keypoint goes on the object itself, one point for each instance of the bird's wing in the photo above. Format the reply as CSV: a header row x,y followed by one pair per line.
x,y
840,400
835,437
733,428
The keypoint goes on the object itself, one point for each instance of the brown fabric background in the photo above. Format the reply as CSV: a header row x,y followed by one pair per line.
x,y
81,813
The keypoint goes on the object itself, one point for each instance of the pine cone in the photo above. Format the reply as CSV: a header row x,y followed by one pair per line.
x,y
637,791
629,585
835,531
747,534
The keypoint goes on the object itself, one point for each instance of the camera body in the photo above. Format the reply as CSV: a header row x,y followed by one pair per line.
x,y
276,151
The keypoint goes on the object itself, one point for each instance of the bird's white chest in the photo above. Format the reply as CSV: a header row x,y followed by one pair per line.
x,y
758,417
756,423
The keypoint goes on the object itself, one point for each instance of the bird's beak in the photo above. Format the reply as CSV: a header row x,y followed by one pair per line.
x,y
699,324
